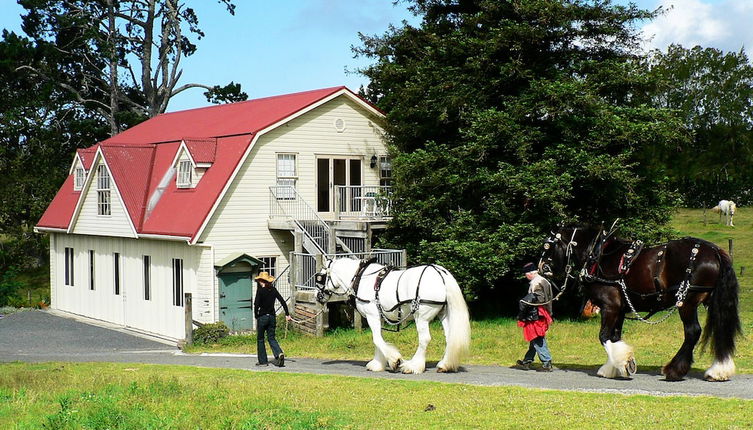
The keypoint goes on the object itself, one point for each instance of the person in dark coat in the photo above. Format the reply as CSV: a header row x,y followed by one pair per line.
x,y
536,319
266,319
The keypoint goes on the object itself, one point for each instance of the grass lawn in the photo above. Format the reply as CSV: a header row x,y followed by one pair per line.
x,y
574,343
128,396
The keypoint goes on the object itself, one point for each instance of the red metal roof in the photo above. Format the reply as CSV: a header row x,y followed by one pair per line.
x,y
140,160
202,150
87,156
60,210
221,120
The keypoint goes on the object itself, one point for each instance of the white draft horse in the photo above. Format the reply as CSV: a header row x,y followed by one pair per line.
x,y
726,208
422,292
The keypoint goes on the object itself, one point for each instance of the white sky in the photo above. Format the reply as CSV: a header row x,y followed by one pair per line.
x,y
280,46
722,24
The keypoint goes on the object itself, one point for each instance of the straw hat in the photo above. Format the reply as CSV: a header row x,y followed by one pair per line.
x,y
264,276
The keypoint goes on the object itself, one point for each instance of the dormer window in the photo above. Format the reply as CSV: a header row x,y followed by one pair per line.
x,y
78,179
103,191
184,174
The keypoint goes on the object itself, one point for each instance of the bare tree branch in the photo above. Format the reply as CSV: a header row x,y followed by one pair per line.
x,y
187,86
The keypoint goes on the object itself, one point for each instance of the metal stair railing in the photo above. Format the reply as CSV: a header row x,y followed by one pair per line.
x,y
306,269
286,202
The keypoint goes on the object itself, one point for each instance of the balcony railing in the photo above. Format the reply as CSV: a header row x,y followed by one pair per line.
x,y
363,201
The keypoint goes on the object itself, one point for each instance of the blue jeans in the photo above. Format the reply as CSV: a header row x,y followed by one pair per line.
x,y
266,323
538,346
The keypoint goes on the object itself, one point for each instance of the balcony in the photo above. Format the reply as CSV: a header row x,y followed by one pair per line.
x,y
363,202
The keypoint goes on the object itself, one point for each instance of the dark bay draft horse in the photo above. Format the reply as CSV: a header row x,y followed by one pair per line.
x,y
621,276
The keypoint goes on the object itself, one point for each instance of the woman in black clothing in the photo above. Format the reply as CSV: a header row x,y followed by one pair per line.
x,y
264,310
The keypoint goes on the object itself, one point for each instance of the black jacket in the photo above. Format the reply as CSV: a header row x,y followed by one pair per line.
x,y
265,301
528,312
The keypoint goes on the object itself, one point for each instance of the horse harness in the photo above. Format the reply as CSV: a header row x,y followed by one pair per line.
x,y
381,275
626,261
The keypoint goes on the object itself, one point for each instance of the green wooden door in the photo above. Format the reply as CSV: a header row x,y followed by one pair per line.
x,y
236,307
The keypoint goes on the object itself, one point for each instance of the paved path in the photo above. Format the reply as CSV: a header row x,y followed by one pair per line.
x,y
39,336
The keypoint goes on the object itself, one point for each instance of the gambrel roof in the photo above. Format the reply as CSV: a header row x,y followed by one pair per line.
x,y
141,161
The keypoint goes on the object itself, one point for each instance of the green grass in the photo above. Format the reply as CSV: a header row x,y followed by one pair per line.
x,y
574,344
127,396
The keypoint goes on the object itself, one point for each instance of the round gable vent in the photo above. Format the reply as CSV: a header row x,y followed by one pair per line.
x,y
339,125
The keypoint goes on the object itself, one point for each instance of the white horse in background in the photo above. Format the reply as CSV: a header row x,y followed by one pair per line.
x,y
425,292
727,209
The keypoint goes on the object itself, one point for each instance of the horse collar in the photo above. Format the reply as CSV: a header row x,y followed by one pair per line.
x,y
359,273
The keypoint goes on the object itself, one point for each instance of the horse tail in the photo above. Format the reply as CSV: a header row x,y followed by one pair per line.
x,y
722,321
459,326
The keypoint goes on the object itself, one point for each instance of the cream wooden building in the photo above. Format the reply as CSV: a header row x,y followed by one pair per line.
x,y
198,201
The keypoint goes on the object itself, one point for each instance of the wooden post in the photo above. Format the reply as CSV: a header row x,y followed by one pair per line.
x,y
731,250
293,276
369,236
332,242
405,258
357,321
704,216
188,309
742,271
322,319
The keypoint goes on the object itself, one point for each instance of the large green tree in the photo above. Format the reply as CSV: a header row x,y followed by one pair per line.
x,y
40,127
712,90
508,117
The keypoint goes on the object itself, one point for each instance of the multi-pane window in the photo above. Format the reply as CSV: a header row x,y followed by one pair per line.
x,y
147,277
116,272
91,269
184,174
269,265
177,281
103,191
69,266
385,171
79,177
287,176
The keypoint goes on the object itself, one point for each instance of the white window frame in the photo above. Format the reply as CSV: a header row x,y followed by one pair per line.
x,y
269,264
104,193
286,177
79,176
385,181
185,174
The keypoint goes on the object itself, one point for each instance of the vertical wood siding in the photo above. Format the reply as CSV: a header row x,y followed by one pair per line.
x,y
157,315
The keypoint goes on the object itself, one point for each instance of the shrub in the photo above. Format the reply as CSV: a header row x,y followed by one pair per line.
x,y
9,287
210,333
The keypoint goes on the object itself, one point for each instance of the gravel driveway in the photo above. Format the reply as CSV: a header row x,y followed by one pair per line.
x,y
36,336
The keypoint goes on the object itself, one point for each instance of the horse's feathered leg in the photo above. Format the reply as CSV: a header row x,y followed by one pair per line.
x,y
417,364
679,366
619,354
386,355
